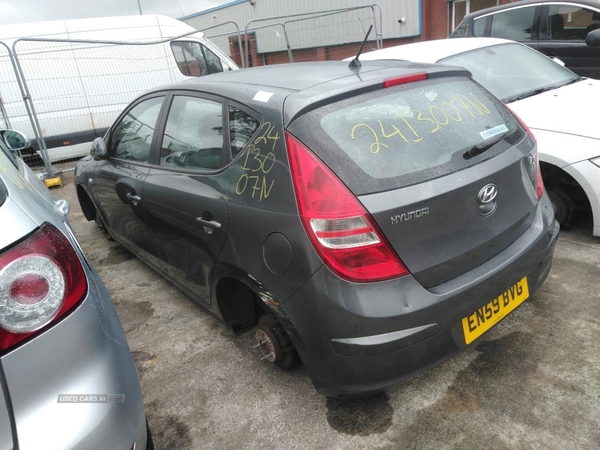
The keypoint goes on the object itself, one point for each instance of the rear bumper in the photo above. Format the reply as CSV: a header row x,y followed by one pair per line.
x,y
56,382
356,339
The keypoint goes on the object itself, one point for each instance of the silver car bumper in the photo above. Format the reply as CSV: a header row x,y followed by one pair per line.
x,y
53,386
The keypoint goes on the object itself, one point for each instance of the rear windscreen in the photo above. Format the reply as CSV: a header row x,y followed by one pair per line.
x,y
408,134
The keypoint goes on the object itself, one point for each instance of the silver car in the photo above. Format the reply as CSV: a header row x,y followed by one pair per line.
x,y
67,377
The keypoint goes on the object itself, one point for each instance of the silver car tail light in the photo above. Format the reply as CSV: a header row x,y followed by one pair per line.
x,y
41,279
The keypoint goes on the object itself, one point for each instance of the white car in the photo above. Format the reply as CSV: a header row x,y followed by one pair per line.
x,y
557,105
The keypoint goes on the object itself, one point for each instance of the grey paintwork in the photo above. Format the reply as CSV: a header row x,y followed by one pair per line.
x,y
326,317
84,353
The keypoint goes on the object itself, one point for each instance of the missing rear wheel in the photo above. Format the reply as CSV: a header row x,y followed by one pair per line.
x,y
563,207
274,343
102,227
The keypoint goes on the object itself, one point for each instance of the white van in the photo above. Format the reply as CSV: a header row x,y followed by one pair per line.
x,y
78,88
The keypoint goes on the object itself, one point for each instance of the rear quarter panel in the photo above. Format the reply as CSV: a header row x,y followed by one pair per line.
x,y
262,208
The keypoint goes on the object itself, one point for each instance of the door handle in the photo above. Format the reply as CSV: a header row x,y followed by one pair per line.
x,y
135,199
208,223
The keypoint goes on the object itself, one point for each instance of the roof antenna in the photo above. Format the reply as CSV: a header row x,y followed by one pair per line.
x,y
355,63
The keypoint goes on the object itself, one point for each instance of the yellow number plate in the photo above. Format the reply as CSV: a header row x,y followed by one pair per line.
x,y
489,315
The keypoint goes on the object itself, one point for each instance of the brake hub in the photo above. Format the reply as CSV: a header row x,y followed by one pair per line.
x,y
266,345
274,343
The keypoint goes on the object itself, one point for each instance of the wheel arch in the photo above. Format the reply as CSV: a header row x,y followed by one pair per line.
x,y
85,201
563,179
240,298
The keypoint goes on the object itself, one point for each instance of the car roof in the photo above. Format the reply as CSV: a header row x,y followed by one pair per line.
x,y
433,51
306,85
493,9
304,76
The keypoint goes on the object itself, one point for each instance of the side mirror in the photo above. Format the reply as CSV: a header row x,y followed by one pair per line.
x,y
593,38
15,140
99,150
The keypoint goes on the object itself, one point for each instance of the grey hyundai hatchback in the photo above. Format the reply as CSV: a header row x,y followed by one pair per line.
x,y
371,219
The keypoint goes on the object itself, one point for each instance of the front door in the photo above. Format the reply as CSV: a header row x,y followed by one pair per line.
x,y
119,180
563,30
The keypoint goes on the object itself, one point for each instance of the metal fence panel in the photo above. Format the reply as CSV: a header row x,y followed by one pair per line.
x,y
315,29
11,92
79,87
8,89
334,33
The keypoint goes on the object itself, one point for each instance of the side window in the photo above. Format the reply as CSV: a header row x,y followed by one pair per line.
x,y
462,30
194,59
571,23
515,24
213,62
479,27
193,136
132,137
241,128
479,24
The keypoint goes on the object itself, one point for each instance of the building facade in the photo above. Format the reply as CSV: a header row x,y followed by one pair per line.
x,y
261,32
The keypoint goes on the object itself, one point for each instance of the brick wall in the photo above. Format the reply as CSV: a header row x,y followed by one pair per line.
x,y
436,17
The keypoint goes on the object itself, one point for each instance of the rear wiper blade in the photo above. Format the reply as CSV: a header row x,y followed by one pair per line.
x,y
477,149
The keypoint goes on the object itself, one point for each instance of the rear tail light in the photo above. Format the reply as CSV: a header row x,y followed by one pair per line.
x,y
341,231
40,280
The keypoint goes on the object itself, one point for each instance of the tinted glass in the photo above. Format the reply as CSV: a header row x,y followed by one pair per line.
x,y
213,62
241,128
515,24
511,70
571,23
460,8
193,136
132,137
479,27
405,135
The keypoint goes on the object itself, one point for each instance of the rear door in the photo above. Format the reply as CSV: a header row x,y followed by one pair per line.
x,y
441,165
563,29
186,191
